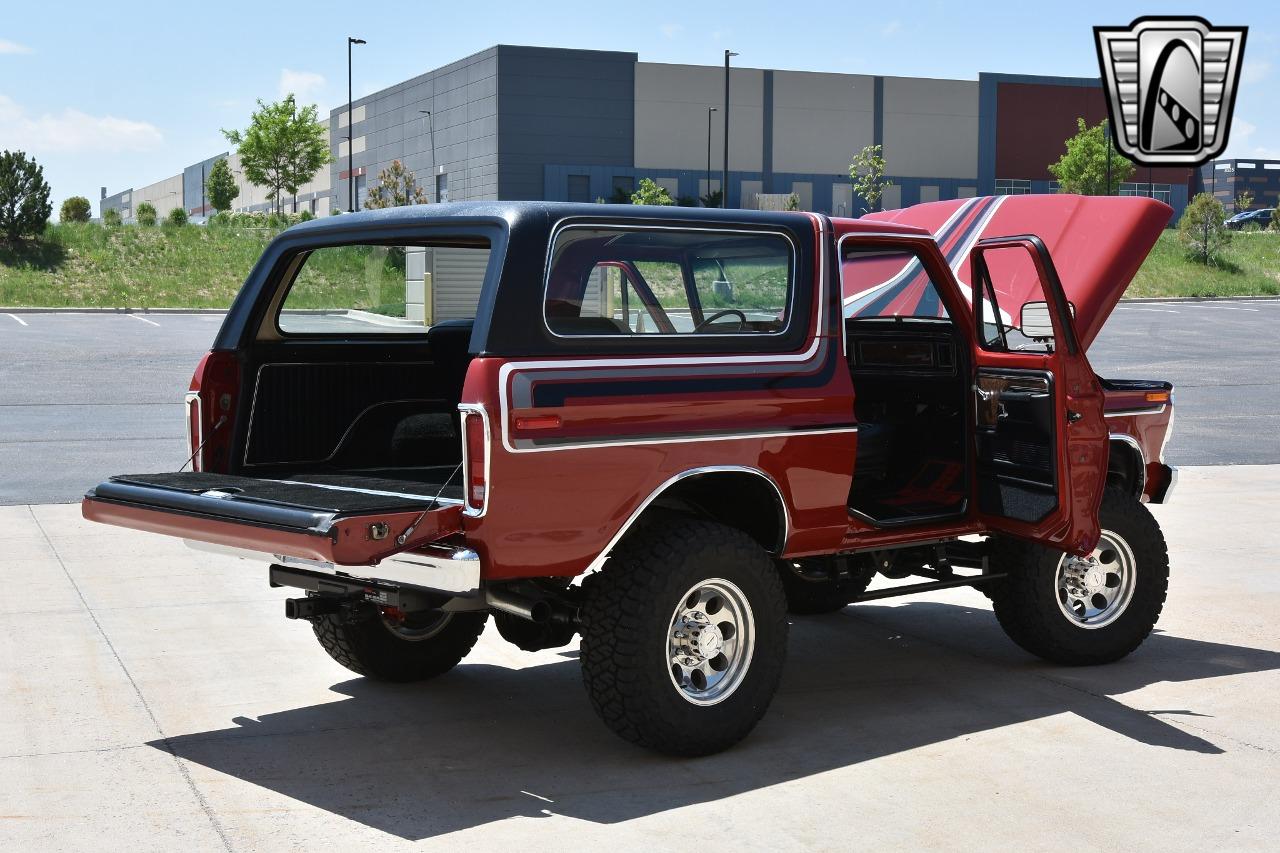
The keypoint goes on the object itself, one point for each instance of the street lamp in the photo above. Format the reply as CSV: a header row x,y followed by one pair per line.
x,y
431,129
724,179
710,110
351,144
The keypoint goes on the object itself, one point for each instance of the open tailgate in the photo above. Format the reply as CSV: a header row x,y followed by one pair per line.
x,y
313,518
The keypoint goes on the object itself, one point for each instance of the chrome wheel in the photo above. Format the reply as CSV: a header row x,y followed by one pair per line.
x,y
414,627
1093,591
710,642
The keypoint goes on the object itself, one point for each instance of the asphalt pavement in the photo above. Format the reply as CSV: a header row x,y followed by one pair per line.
x,y
85,396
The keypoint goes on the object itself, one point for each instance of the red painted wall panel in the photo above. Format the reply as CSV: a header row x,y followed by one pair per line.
x,y
1034,120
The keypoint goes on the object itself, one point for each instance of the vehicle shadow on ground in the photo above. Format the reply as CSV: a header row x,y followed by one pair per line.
x,y
484,743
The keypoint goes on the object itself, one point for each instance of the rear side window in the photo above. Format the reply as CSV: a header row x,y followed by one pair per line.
x,y
647,282
887,283
382,289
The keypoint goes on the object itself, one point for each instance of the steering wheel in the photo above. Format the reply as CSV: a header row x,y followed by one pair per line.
x,y
707,321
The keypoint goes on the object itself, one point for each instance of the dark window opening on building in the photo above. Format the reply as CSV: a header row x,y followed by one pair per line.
x,y
442,187
579,188
623,185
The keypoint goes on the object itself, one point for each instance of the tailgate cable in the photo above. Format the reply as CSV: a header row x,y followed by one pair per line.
x,y
222,420
404,537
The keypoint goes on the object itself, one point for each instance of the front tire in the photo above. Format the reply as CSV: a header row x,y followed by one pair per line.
x,y
1083,611
399,647
684,634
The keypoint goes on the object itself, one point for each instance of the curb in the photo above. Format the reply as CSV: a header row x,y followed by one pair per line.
x,y
1138,300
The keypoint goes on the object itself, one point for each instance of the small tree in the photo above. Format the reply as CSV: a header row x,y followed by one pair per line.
x,y
1244,201
220,185
75,209
1083,168
793,202
145,214
111,217
397,187
283,147
1201,230
24,197
651,192
867,174
712,198
176,218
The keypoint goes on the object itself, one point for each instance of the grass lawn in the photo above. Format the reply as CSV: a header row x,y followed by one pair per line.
x,y
1250,266
196,267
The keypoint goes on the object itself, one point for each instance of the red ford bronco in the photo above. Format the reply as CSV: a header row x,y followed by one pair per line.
x,y
665,429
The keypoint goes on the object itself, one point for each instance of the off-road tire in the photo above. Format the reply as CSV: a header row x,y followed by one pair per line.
x,y
627,620
1026,602
369,647
807,596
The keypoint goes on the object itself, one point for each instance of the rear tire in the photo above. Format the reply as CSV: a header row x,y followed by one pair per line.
x,y
818,585
415,648
684,634
1077,612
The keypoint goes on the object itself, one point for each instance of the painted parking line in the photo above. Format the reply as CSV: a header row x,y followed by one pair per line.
x,y
143,319
1138,308
21,321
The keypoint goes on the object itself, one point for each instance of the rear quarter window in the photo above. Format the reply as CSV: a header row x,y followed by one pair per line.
x,y
608,281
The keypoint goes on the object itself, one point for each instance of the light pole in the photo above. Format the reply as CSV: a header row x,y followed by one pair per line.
x,y
351,144
724,169
431,129
710,110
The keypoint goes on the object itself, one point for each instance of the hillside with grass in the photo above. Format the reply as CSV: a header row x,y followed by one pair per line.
x,y
88,265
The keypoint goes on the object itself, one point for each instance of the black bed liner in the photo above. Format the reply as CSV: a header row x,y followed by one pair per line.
x,y
308,501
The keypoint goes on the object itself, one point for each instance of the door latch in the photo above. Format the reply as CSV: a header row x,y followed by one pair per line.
x,y
1073,416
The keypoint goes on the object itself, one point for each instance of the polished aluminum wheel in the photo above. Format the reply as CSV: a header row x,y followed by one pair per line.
x,y
1093,591
414,627
710,642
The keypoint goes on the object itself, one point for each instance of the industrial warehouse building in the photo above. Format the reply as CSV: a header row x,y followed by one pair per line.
x,y
580,125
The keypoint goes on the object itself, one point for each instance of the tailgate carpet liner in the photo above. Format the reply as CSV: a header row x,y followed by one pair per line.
x,y
339,492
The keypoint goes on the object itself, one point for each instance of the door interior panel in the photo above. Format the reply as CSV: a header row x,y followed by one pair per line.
x,y
1016,444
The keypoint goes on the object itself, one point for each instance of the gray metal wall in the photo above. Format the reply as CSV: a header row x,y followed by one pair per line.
x,y
561,106
391,126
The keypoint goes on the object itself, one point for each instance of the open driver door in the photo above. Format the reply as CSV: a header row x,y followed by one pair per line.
x,y
1040,441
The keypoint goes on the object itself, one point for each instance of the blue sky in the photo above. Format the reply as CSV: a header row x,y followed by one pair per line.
x,y
125,93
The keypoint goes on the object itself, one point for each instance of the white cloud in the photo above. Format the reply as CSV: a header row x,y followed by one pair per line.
x,y
7,46
672,30
72,130
303,85
891,28
1255,71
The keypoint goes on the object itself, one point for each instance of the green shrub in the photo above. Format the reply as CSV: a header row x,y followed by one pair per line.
x,y
145,214
75,209
333,211
306,216
111,217
1201,231
176,218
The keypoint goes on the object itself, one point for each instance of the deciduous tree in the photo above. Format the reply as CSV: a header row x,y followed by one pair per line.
x,y
867,174
397,187
282,148
651,192
145,214
1083,168
220,185
75,209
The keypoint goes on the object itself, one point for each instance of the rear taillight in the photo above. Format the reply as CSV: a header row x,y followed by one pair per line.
x,y
211,402
475,458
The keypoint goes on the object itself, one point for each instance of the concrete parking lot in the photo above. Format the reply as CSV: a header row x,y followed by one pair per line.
x,y
155,698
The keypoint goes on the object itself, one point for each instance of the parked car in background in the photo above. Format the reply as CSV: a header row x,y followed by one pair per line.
x,y
1261,218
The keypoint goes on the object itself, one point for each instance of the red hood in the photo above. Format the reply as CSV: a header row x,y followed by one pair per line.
x,y
1097,243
